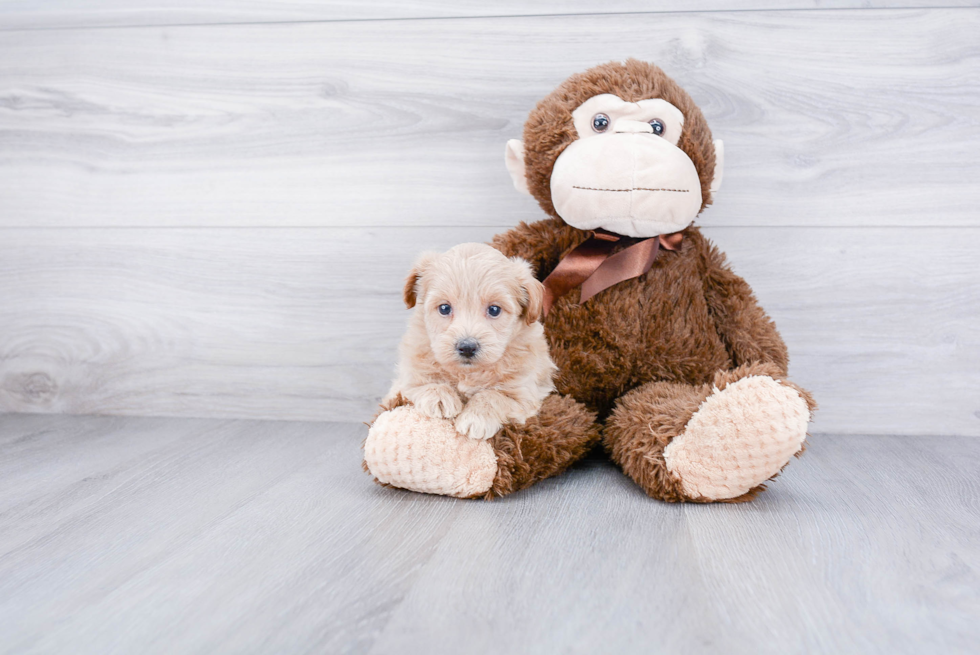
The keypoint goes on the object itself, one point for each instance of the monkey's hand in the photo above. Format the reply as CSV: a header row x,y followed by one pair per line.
x,y
435,400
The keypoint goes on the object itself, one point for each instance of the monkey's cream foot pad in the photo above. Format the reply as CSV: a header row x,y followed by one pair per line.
x,y
740,437
406,449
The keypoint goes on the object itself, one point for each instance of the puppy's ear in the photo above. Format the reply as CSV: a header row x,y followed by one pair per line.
x,y
413,286
535,301
532,292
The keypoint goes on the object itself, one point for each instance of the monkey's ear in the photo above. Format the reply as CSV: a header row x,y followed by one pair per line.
x,y
532,292
412,282
514,159
719,166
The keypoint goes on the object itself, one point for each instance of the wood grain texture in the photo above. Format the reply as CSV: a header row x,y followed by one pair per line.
x,y
829,117
304,323
243,200
203,536
55,14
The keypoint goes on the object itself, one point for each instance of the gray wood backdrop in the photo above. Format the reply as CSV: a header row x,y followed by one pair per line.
x,y
207,209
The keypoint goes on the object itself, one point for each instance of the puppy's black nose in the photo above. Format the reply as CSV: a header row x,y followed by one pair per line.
x,y
467,347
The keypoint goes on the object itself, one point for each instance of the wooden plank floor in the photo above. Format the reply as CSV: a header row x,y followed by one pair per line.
x,y
191,535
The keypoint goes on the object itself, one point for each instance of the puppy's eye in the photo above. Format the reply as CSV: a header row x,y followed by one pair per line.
x,y
600,123
445,309
658,126
493,311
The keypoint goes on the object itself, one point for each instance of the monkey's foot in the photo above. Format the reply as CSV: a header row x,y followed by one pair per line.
x,y
406,449
738,438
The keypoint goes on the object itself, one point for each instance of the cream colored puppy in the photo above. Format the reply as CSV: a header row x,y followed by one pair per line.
x,y
474,351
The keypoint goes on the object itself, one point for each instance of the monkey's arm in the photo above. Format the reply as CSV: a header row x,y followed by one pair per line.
x,y
748,332
541,243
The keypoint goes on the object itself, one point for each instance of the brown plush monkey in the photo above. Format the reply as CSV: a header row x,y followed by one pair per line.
x,y
664,355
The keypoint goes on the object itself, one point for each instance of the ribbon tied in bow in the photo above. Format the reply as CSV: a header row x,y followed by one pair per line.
x,y
595,267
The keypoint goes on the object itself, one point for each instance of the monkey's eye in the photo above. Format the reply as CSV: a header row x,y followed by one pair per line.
x,y
445,309
658,126
600,123
493,311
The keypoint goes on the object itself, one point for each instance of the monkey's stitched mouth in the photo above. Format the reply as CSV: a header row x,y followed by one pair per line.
x,y
639,188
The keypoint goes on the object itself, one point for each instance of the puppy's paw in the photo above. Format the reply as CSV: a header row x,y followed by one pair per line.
x,y
476,425
438,401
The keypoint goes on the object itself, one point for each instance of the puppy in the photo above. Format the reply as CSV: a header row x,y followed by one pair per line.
x,y
474,351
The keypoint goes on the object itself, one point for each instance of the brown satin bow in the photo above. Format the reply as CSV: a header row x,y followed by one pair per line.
x,y
592,266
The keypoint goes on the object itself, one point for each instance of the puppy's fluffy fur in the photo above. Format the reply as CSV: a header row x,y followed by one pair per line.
x,y
460,361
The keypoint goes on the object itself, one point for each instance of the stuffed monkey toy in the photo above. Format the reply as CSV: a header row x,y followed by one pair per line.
x,y
664,355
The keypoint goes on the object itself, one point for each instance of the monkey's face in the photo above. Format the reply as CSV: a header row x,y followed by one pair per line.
x,y
640,166
625,172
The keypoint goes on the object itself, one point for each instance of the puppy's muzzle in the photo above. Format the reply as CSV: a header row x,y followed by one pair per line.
x,y
467,348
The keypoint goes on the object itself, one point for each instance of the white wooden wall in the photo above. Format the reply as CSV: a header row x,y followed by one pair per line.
x,y
207,209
